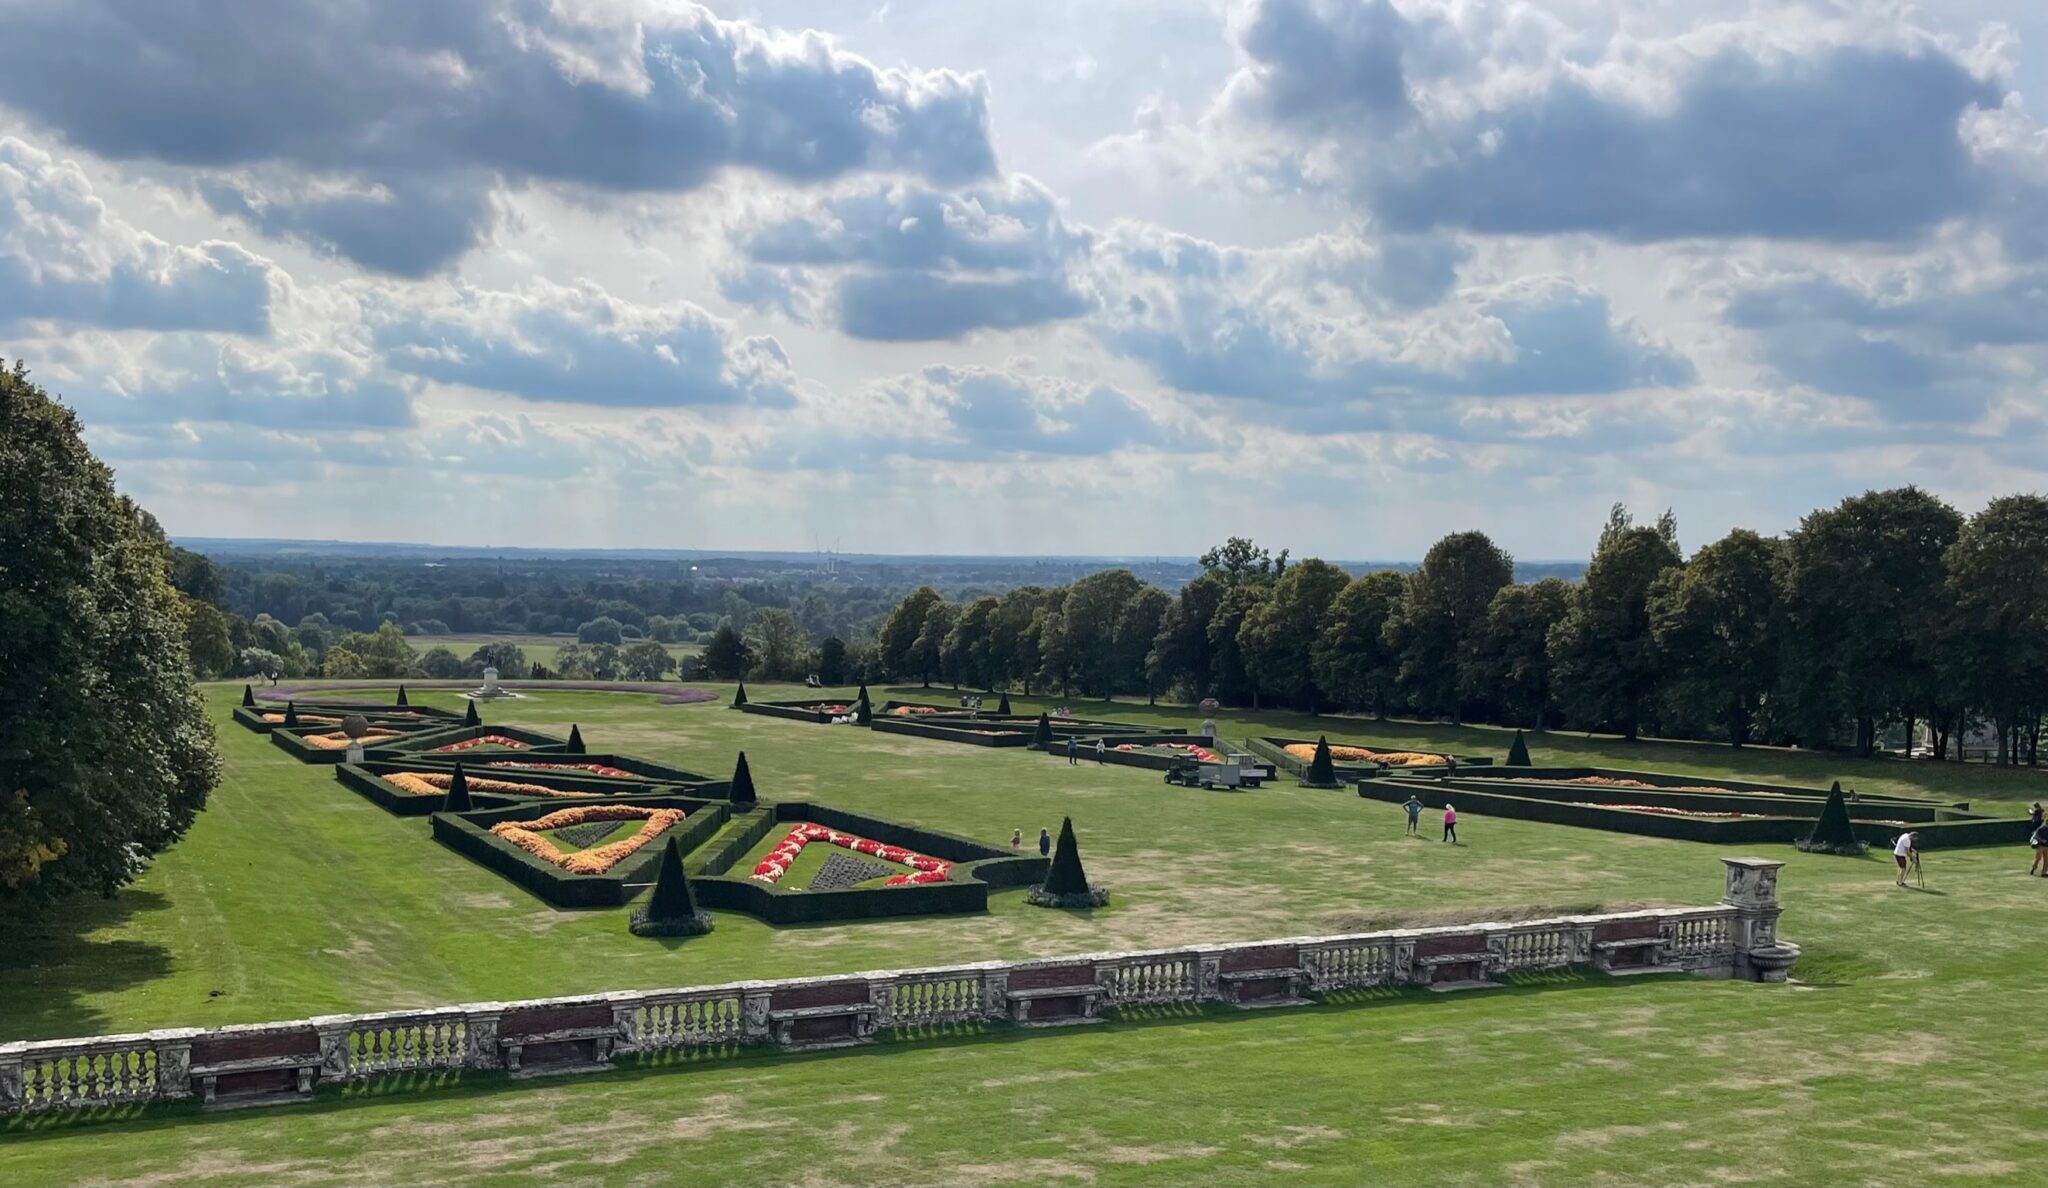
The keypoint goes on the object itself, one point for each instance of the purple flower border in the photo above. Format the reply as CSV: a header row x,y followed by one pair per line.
x,y
669,695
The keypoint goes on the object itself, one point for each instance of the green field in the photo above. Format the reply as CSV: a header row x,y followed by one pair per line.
x,y
538,648
1905,1055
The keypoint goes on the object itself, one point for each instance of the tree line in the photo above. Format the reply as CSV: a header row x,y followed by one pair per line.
x,y
1889,614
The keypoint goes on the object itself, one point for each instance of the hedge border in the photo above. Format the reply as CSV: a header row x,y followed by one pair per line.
x,y
374,787
1085,749
915,728
1274,748
469,834
644,770
1671,779
795,711
1804,807
251,717
538,742
291,741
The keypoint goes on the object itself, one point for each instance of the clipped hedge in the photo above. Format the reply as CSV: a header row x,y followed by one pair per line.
x,y
367,779
424,744
291,740
1675,779
796,711
643,770
251,717
1085,750
469,834
1807,807
947,732
1273,749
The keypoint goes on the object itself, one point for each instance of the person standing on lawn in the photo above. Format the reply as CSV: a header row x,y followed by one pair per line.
x,y
1073,756
1101,752
1016,839
1414,809
1450,823
2035,819
2040,844
1044,843
1903,851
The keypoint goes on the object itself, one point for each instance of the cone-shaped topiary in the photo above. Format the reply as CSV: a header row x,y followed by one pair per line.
x,y
457,800
291,713
1833,833
1041,735
575,739
471,717
742,784
1322,773
248,696
1518,752
739,696
1003,706
671,910
1066,884
863,709
401,696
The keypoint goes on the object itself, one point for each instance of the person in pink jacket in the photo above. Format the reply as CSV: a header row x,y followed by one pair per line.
x,y
1450,823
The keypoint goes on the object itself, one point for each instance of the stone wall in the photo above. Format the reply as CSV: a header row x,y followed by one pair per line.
x,y
284,1061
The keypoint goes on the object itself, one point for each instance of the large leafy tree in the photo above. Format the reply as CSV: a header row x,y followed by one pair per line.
x,y
646,660
1279,635
1997,654
927,658
1181,654
965,652
781,651
1717,623
1087,627
1013,635
1866,591
105,752
1353,663
1508,664
900,631
1603,655
726,656
508,658
1442,611
1137,625
833,662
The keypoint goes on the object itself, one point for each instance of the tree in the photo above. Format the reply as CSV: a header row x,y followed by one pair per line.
x,y
742,794
1066,884
208,641
1716,623
1231,681
509,659
1996,657
927,650
383,653
1181,654
1604,657
646,661
603,629
1279,635
1041,734
470,717
1441,613
1865,594
781,653
725,656
1086,628
1238,562
1508,663
900,632
739,695
832,669
670,909
441,664
106,754
1352,661
1013,652
1137,625
965,652
198,578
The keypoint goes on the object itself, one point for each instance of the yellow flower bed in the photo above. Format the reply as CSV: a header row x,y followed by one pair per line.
x,y
527,834
431,783
337,741
1340,754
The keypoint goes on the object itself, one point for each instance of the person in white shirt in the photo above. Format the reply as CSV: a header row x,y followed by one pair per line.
x,y
1903,851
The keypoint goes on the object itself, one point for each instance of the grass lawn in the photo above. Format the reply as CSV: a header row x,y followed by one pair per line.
x,y
1907,1056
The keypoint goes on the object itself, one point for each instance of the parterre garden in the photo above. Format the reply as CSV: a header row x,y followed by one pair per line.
x,y
1899,1056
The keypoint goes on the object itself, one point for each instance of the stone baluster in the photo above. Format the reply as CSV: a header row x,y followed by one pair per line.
x,y
173,1047
754,1013
336,1056
1753,893
480,1035
13,1090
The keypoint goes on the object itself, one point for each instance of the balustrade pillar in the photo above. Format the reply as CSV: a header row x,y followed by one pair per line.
x,y
12,1089
173,1047
480,1036
1753,892
754,1015
335,1055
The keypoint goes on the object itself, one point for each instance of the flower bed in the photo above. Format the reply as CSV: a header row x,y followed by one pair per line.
x,y
527,834
434,783
277,719
1613,782
928,869
483,740
538,764
337,741
1349,754
1200,753
912,711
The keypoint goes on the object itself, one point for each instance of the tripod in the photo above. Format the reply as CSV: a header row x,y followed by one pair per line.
x,y
1919,879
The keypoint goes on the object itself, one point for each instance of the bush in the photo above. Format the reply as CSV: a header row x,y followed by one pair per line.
x,y
1833,833
1066,884
1518,752
1041,735
739,696
1322,773
601,630
457,800
742,795
670,910
1003,706
575,745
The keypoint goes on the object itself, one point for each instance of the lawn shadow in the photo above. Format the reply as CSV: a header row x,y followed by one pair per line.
x,y
56,964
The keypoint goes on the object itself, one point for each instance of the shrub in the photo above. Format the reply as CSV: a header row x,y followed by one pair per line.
x,y
671,910
739,696
1833,833
1041,735
291,713
401,696
249,696
575,745
470,717
742,795
1322,773
1003,706
1066,884
458,793
863,709
1518,752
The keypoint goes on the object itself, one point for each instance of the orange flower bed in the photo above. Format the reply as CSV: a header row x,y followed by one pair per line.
x,y
337,741
1614,782
309,719
1341,754
433,783
904,711
527,834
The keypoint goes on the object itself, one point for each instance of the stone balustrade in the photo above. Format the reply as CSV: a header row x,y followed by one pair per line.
x,y
284,1061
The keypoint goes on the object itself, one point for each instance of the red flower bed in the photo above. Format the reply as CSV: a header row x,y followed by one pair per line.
x,y
592,768
485,740
777,863
1203,754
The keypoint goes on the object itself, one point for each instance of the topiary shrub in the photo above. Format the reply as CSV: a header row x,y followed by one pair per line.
x,y
1833,833
1322,772
1041,736
1066,884
1518,753
743,784
863,709
457,800
291,713
575,743
670,910
1003,706
471,717
739,695
401,696
248,697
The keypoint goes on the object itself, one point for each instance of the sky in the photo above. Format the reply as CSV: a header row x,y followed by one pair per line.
x,y
1104,277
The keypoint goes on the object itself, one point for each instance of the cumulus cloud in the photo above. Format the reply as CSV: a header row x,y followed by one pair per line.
x,y
297,384
905,262
64,258
577,344
408,113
